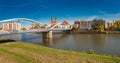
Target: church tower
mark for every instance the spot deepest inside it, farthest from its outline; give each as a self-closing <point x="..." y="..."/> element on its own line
<point x="54" y="22"/>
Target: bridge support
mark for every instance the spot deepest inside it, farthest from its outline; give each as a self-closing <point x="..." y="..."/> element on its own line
<point x="47" y="34"/>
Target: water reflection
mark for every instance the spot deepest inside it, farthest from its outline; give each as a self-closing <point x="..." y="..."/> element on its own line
<point x="47" y="42"/>
<point x="16" y="37"/>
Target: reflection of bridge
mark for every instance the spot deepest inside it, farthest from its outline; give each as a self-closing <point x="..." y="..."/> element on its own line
<point x="47" y="32"/>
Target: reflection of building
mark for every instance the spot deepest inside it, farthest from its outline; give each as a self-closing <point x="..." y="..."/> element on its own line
<point x="65" y="24"/>
<point x="54" y="22"/>
<point x="83" y="24"/>
<point x="16" y="37"/>
<point x="11" y="26"/>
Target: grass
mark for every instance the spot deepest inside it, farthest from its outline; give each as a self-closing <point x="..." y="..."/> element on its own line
<point x="19" y="52"/>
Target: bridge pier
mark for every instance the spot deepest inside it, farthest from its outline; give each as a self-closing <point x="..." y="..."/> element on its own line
<point x="47" y="34"/>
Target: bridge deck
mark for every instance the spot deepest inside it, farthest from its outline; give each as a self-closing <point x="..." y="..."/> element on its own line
<point x="37" y="30"/>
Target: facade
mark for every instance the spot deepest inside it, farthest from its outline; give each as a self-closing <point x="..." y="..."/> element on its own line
<point x="54" y="22"/>
<point x="65" y="24"/>
<point x="98" y="22"/>
<point x="108" y="25"/>
<point x="83" y="24"/>
<point x="11" y="26"/>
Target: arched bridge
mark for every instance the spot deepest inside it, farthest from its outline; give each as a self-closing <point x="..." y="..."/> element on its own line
<point x="13" y="26"/>
<point x="18" y="20"/>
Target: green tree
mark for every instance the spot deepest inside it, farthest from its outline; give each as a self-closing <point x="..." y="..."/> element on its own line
<point x="23" y="29"/>
<point x="101" y="28"/>
<point x="0" y="28"/>
<point x="117" y="24"/>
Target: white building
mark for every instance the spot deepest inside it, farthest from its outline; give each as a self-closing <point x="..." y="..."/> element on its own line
<point x="108" y="24"/>
<point x="83" y="24"/>
<point x="65" y="24"/>
<point x="11" y="26"/>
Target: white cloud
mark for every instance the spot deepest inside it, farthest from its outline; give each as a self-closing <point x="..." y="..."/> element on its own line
<point x="106" y="16"/>
<point x="111" y="17"/>
<point x="92" y="17"/>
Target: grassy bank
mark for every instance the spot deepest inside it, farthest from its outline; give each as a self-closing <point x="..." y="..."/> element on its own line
<point x="18" y="52"/>
<point x="4" y="40"/>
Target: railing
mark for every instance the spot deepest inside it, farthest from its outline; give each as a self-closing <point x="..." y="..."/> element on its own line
<point x="38" y="30"/>
<point x="34" y="30"/>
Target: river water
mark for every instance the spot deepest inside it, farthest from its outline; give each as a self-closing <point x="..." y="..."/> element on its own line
<point x="100" y="43"/>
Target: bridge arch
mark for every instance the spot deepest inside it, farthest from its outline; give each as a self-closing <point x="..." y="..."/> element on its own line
<point x="19" y="20"/>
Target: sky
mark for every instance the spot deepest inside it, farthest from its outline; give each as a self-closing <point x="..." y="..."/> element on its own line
<point x="70" y="10"/>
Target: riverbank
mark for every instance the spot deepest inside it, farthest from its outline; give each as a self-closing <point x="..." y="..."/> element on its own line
<point x="19" y="52"/>
<point x="93" y="32"/>
<point x="4" y="40"/>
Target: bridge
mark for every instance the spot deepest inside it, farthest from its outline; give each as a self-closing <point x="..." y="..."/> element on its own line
<point x="14" y="26"/>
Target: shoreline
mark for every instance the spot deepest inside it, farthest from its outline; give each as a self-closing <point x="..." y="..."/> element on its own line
<point x="31" y="52"/>
<point x="87" y="33"/>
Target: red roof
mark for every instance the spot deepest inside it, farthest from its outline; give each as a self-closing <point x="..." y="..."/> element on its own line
<point x="65" y="23"/>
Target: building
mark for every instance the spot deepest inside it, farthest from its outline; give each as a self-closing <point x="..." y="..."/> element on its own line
<point x="96" y="23"/>
<point x="54" y="22"/>
<point x="11" y="26"/>
<point x="108" y="25"/>
<point x="65" y="24"/>
<point x="83" y="24"/>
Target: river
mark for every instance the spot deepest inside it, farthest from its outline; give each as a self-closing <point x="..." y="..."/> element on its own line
<point x="100" y="43"/>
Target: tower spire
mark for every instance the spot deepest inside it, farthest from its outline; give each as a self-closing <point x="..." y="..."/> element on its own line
<point x="56" y="19"/>
<point x="113" y="21"/>
<point x="52" y="19"/>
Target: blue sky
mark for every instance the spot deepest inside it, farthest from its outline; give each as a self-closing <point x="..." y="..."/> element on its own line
<point x="69" y="10"/>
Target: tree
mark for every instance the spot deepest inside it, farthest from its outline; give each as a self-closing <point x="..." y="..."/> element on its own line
<point x="101" y="28"/>
<point x="0" y="28"/>
<point x="43" y="27"/>
<point x="96" y="23"/>
<point x="23" y="29"/>
<point x="37" y="26"/>
<point x="75" y="26"/>
<point x="117" y="24"/>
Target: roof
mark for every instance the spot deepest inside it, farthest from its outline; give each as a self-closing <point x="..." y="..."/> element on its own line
<point x="65" y="23"/>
